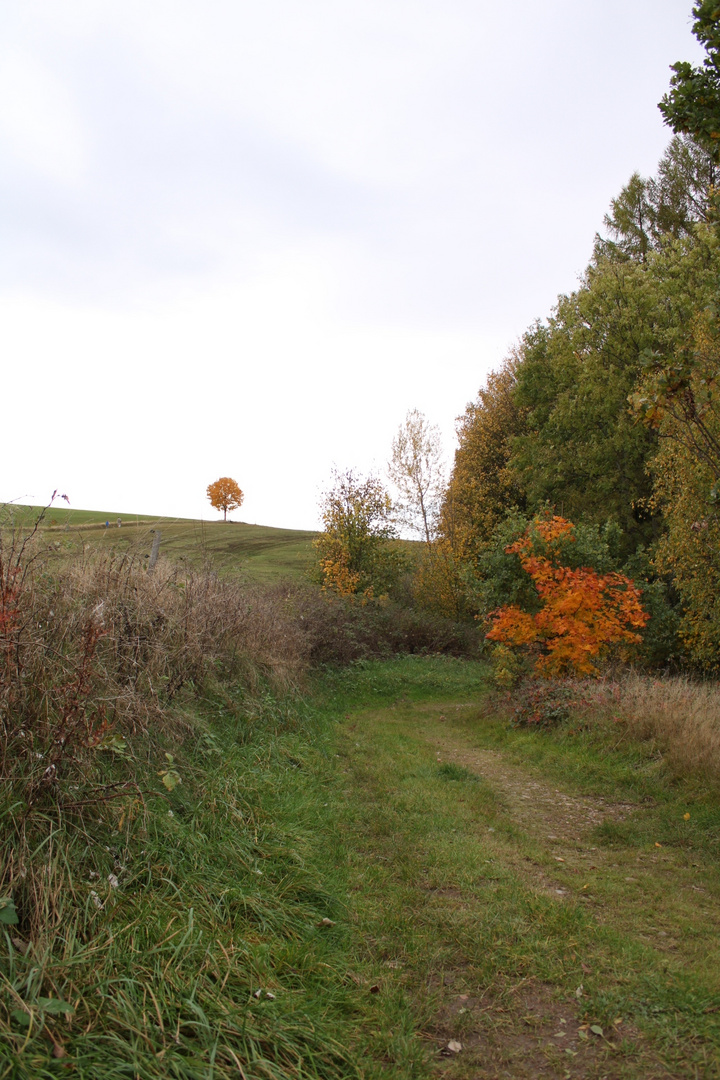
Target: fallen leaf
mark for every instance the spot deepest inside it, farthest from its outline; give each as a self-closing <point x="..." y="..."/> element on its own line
<point x="55" y="1006"/>
<point x="596" y="1029"/>
<point x="8" y="914"/>
<point x="579" y="991"/>
<point x="586" y="969"/>
<point x="657" y="845"/>
<point x="686" y="817"/>
<point x="454" y="1046"/>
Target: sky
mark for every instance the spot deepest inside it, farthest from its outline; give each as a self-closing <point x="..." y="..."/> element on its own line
<point x="244" y="239"/>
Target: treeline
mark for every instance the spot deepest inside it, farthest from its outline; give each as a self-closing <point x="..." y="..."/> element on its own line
<point x="588" y="467"/>
<point x="606" y="413"/>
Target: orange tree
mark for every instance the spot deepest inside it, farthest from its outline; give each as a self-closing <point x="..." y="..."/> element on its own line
<point x="581" y="614"/>
<point x="225" y="495"/>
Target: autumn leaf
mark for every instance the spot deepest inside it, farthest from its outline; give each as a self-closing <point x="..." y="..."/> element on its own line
<point x="583" y="613"/>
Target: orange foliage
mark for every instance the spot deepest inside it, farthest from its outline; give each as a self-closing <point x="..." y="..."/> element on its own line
<point x="583" y="612"/>
<point x="335" y="569"/>
<point x="224" y="494"/>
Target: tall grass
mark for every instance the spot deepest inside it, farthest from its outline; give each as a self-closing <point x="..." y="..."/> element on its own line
<point x="680" y="716"/>
<point x="160" y="896"/>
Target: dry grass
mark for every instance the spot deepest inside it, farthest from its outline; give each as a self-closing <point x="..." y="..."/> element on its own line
<point x="679" y="715"/>
<point x="99" y="661"/>
<point x="99" y="645"/>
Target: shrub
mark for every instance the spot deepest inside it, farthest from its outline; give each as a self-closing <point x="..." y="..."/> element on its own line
<point x="338" y="631"/>
<point x="543" y="704"/>
<point x="581" y="617"/>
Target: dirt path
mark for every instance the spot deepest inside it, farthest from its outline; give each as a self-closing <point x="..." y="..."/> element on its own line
<point x="526" y="992"/>
<point x="537" y="805"/>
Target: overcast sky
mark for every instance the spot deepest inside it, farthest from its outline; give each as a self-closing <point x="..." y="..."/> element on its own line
<point x="244" y="238"/>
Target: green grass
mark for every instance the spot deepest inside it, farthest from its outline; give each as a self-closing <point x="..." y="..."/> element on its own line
<point x="365" y="856"/>
<point x="467" y="901"/>
<point x="259" y="552"/>
<point x="223" y="886"/>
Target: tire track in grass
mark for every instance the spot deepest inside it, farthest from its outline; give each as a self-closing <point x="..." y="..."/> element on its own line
<point x="468" y="874"/>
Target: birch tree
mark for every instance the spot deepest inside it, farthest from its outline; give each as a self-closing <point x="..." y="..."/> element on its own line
<point x="416" y="470"/>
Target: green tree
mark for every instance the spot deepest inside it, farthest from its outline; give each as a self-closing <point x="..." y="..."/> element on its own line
<point x="355" y="556"/>
<point x="582" y="452"/>
<point x="692" y="105"/>
<point x="651" y="212"/>
<point x="679" y="397"/>
<point x="482" y="486"/>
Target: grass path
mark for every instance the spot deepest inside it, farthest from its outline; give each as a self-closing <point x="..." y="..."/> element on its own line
<point x="378" y="881"/>
<point x="502" y="902"/>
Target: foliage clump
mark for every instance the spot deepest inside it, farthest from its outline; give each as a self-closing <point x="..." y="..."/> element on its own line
<point x="356" y="558"/>
<point x="225" y="494"/>
<point x="580" y="616"/>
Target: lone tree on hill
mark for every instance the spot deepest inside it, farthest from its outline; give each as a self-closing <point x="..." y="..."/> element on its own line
<point x="225" y="495"/>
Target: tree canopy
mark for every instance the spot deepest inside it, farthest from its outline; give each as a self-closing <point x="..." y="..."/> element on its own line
<point x="608" y="413"/>
<point x="224" y="494"/>
<point x="415" y="468"/>
<point x="692" y="104"/>
<point x="354" y="554"/>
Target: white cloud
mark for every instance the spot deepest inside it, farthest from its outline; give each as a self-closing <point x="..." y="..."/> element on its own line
<point x="39" y="126"/>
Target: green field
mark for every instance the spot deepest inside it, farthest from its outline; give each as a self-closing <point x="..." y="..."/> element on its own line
<point x="258" y="552"/>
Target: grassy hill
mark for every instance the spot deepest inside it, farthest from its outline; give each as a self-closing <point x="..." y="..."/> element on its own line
<point x="258" y="552"/>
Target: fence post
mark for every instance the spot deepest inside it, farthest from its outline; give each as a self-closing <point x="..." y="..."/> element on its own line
<point x="155" y="550"/>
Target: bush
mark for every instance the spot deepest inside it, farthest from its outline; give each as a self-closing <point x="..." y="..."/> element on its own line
<point x="340" y="631"/>
<point x="543" y="704"/>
